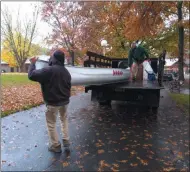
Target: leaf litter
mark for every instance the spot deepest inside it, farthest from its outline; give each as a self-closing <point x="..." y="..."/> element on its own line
<point x="20" y="97"/>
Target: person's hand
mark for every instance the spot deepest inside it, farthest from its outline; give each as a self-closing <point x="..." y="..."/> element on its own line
<point x="33" y="60"/>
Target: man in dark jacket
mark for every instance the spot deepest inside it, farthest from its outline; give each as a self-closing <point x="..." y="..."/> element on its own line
<point x="137" y="55"/>
<point x="55" y="83"/>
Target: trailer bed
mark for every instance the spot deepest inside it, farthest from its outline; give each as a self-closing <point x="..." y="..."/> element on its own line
<point x="140" y="92"/>
<point x="137" y="85"/>
<point x="147" y="85"/>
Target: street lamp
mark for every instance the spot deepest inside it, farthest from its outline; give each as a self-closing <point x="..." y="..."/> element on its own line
<point x="104" y="44"/>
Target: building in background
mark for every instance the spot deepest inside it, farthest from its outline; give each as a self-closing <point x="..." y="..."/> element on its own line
<point x="5" y="67"/>
<point x="172" y="66"/>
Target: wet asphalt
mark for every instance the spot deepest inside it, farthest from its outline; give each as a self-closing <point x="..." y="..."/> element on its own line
<point x="103" y="138"/>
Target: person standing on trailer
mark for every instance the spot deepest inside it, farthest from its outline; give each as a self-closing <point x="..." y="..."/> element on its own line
<point x="137" y="55"/>
<point x="55" y="83"/>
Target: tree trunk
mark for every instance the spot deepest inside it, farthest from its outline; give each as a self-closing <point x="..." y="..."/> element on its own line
<point x="72" y="59"/>
<point x="181" y="41"/>
<point x="22" y="68"/>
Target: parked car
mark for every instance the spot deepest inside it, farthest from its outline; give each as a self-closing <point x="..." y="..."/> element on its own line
<point x="168" y="77"/>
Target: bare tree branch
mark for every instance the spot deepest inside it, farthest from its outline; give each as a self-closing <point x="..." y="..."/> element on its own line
<point x="19" y="38"/>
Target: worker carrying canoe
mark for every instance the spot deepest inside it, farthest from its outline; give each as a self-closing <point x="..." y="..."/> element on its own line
<point x="137" y="55"/>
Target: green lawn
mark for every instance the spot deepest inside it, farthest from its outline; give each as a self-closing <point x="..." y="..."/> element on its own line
<point x="182" y="100"/>
<point x="14" y="79"/>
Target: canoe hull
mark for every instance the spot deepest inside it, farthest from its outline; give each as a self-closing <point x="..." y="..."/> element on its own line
<point x="97" y="76"/>
<point x="92" y="76"/>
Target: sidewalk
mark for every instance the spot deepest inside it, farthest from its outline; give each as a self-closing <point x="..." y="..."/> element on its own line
<point x="102" y="138"/>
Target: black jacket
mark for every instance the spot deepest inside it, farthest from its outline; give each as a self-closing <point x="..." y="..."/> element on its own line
<point x="55" y="82"/>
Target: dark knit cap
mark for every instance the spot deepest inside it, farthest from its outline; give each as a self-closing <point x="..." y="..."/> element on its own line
<point x="59" y="55"/>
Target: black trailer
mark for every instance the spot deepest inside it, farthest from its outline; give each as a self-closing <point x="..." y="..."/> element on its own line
<point x="145" y="93"/>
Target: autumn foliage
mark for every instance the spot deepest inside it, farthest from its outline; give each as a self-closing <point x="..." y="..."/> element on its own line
<point x="82" y="25"/>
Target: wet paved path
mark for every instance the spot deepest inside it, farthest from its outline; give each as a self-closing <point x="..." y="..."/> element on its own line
<point x="103" y="139"/>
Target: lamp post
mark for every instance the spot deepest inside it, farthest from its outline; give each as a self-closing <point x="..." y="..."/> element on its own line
<point x="104" y="44"/>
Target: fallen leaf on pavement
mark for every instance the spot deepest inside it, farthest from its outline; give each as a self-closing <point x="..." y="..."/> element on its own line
<point x="123" y="138"/>
<point x="101" y="151"/>
<point x="133" y="152"/>
<point x="133" y="164"/>
<point x="113" y="169"/>
<point x="144" y="162"/>
<point x="86" y="153"/>
<point x="169" y="169"/>
<point x="65" y="164"/>
<point x="116" y="165"/>
<point x="98" y="145"/>
<point x="123" y="161"/>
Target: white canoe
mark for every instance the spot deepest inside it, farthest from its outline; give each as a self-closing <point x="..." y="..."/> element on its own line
<point x="93" y="76"/>
<point x="97" y="76"/>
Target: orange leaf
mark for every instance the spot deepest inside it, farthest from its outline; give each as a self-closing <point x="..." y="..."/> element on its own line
<point x="123" y="161"/>
<point x="116" y="165"/>
<point x="65" y="164"/>
<point x="144" y="162"/>
<point x="133" y="164"/>
<point x="113" y="169"/>
<point x="101" y="151"/>
<point x="169" y="169"/>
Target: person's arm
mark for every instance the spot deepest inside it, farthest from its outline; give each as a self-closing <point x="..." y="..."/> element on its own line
<point x="146" y="53"/>
<point x="41" y="75"/>
<point x="130" y="58"/>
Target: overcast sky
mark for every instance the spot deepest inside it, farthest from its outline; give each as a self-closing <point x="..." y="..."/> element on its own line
<point x="26" y="9"/>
